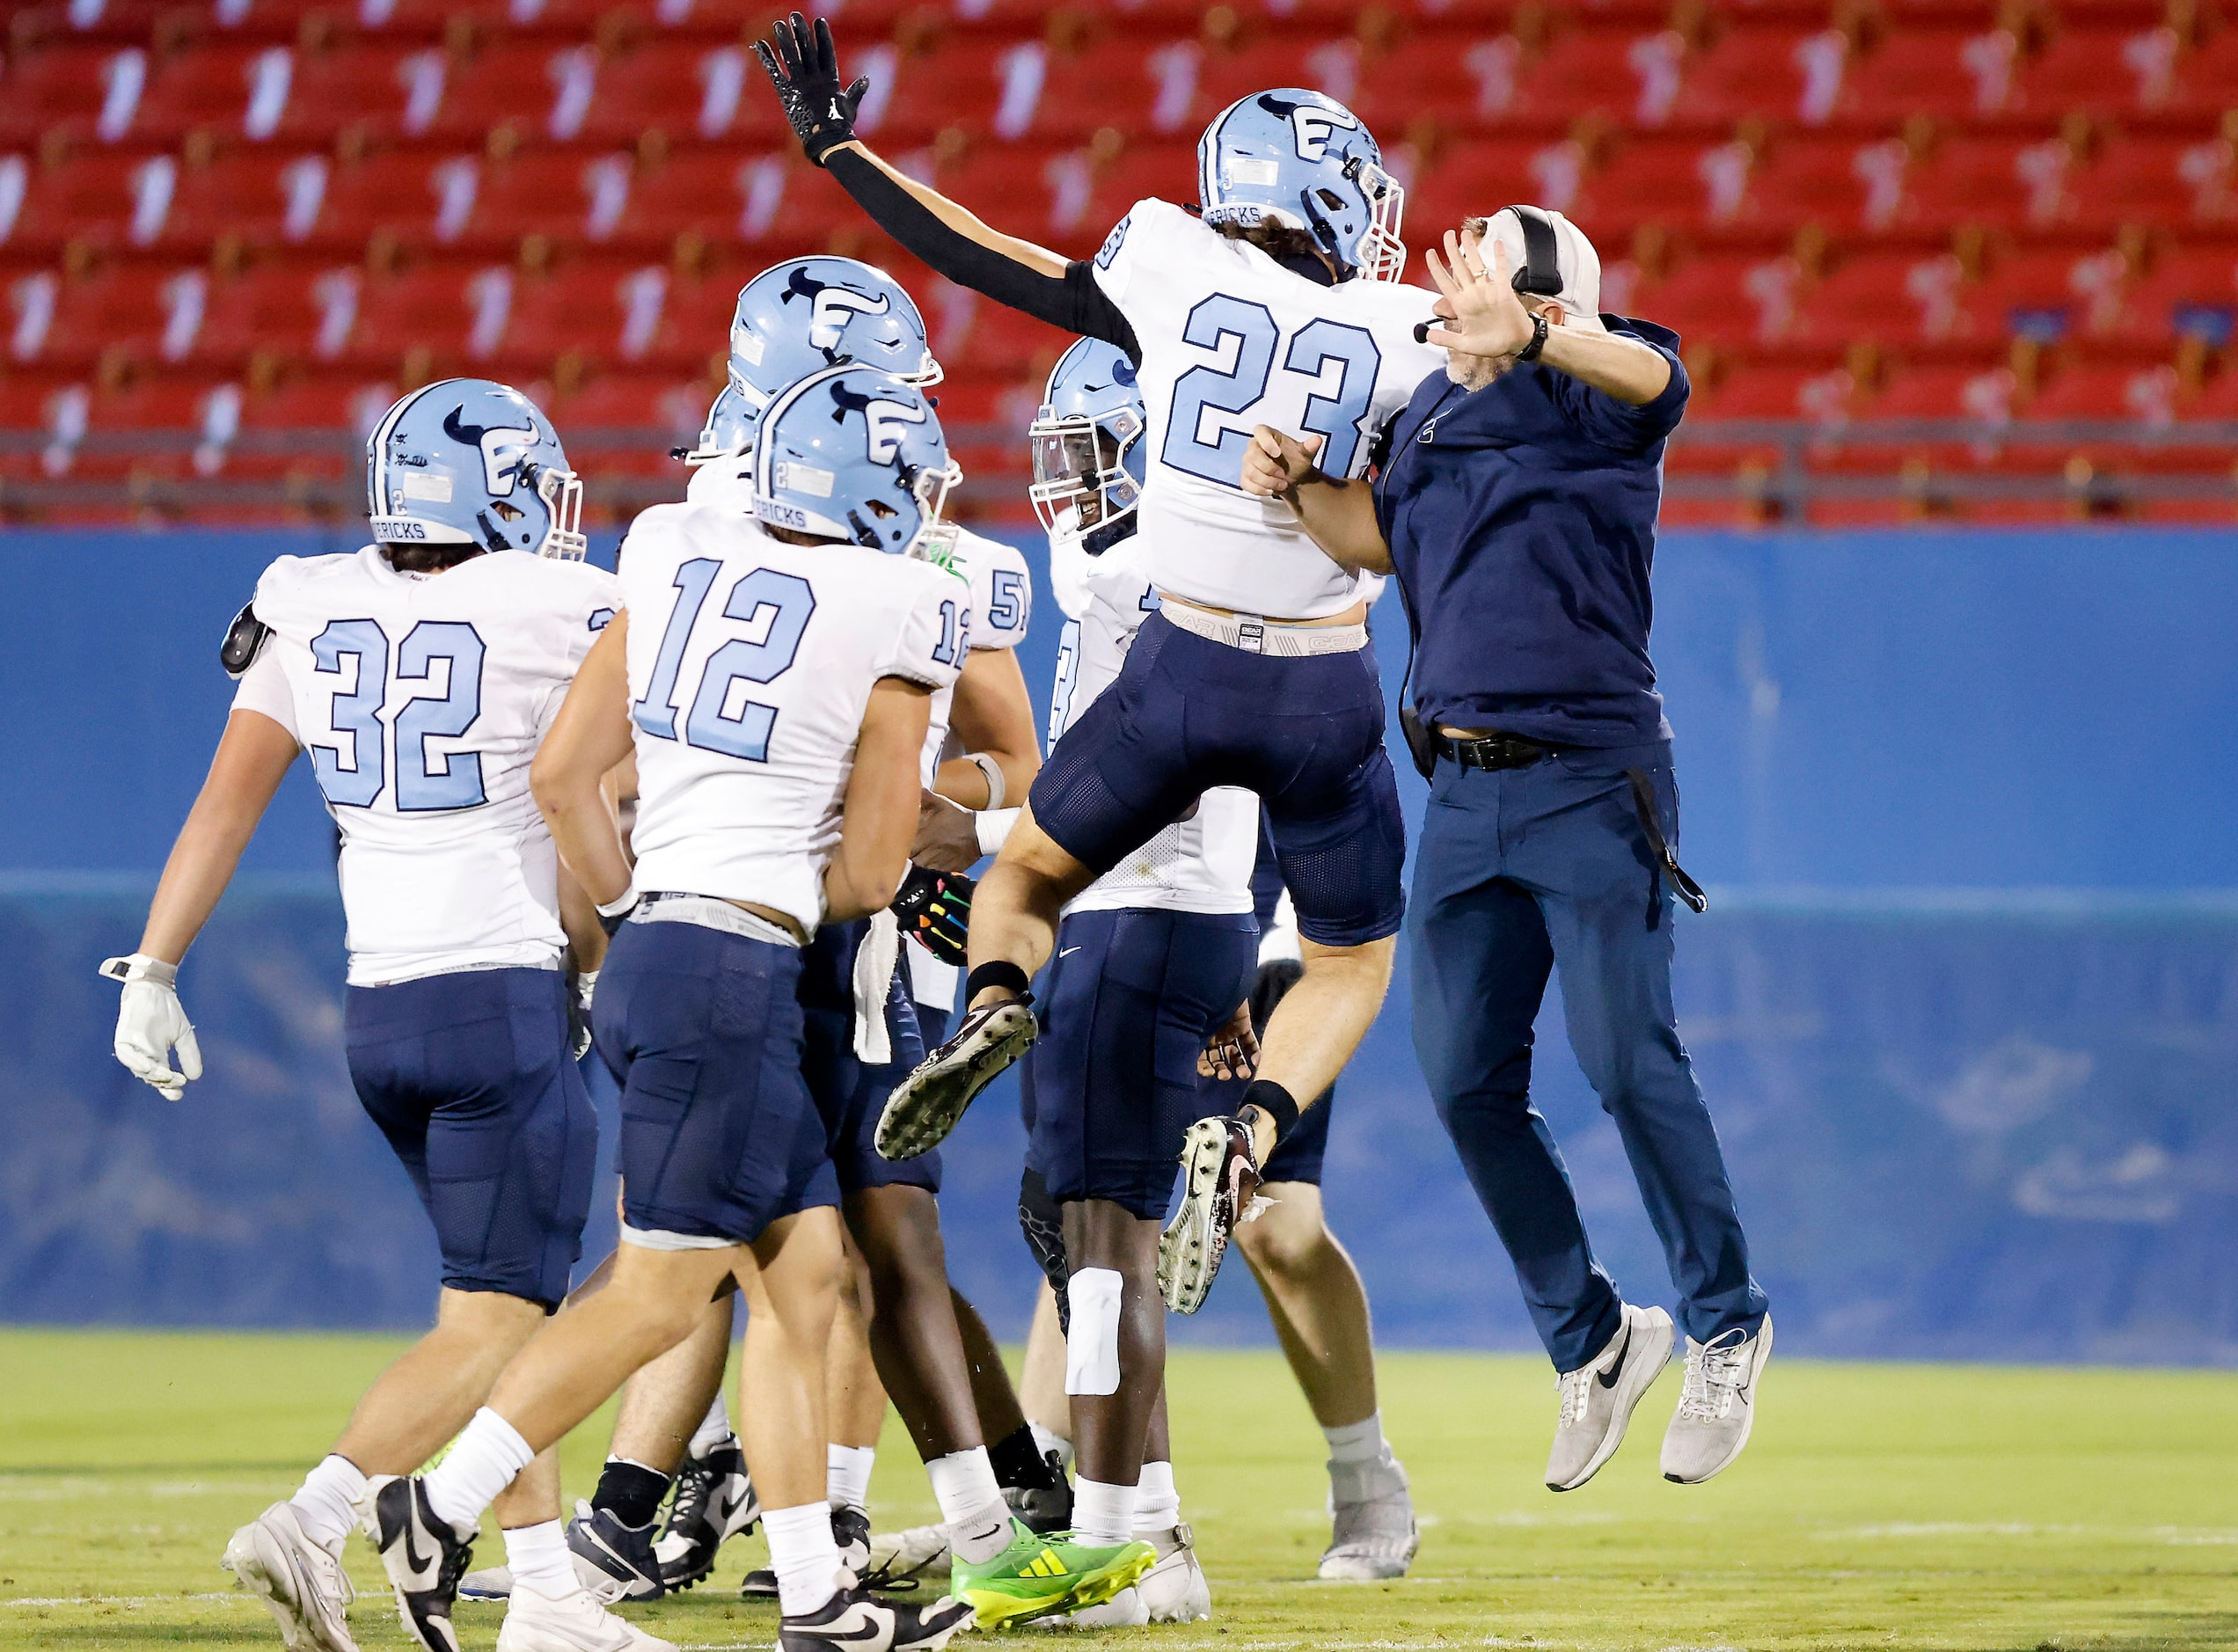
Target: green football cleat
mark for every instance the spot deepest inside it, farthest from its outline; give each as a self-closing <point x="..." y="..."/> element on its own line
<point x="1038" y="1575"/>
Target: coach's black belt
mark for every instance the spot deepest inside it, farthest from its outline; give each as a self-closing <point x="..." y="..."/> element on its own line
<point x="1492" y="751"/>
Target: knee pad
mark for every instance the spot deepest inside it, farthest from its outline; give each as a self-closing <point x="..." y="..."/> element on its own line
<point x="1092" y="1342"/>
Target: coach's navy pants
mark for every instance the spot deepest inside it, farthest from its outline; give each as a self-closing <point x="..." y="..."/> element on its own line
<point x="1522" y="869"/>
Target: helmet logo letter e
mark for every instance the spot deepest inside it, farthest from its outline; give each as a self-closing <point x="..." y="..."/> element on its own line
<point x="1313" y="128"/>
<point x="502" y="447"/>
<point x="835" y="308"/>
<point x="882" y="422"/>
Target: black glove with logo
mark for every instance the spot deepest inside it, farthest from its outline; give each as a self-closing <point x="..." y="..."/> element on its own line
<point x="804" y="71"/>
<point x="936" y="908"/>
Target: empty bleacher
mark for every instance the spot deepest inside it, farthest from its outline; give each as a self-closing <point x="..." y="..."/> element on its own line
<point x="1931" y="258"/>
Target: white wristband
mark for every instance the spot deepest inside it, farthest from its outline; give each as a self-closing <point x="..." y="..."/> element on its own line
<point x="996" y="787"/>
<point x="140" y="966"/>
<point x="993" y="826"/>
<point x="619" y="906"/>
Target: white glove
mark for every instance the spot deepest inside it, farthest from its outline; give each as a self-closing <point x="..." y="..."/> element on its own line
<point x="586" y="986"/>
<point x="150" y="1023"/>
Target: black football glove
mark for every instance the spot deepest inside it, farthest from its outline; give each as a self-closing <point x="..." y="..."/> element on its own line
<point x="936" y="908"/>
<point x="804" y="71"/>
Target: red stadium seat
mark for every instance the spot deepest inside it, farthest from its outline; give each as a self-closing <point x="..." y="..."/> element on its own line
<point x="2048" y="295"/>
<point x="2157" y="180"/>
<point x="2000" y="183"/>
<point x="1463" y="80"/>
<point x="2188" y="294"/>
<point x="1837" y="182"/>
<point x="1727" y="300"/>
<point x="1793" y="74"/>
<point x="1890" y="297"/>
<point x="90" y="198"/>
<point x="90" y="93"/>
<point x="1953" y="73"/>
<point x="1679" y="182"/>
<point x="692" y="92"/>
<point x="1618" y="74"/>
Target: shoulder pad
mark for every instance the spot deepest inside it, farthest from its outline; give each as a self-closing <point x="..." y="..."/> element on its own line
<point x="244" y="641"/>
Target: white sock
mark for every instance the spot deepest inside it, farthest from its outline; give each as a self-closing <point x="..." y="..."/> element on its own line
<point x="848" y="1473"/>
<point x="1048" y="1440"/>
<point x="488" y="1454"/>
<point x="1157" y="1507"/>
<point x="1103" y="1515"/>
<point x="804" y="1556"/>
<point x="327" y="1504"/>
<point x="971" y="1504"/>
<point x="537" y="1558"/>
<point x="714" y="1429"/>
<point x="1357" y="1442"/>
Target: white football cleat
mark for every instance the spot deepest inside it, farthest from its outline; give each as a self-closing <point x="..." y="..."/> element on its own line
<point x="303" y="1585"/>
<point x="1174" y="1590"/>
<point x="1717" y="1405"/>
<point x="925" y="1106"/>
<point x="573" y="1623"/>
<point x="1373" y="1534"/>
<point x="1598" y="1399"/>
<point x="1125" y="1610"/>
<point x="896" y="1557"/>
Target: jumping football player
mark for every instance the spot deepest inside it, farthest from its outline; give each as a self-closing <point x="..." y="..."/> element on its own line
<point x="420" y="673"/>
<point x="1277" y="305"/>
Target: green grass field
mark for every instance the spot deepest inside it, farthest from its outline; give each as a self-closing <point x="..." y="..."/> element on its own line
<point x="1879" y="1506"/>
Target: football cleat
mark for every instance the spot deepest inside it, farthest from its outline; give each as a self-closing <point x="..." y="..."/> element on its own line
<point x="496" y="1582"/>
<point x="1125" y="1610"/>
<point x="1043" y="1508"/>
<point x="578" y="1622"/>
<point x="899" y="1560"/>
<point x="858" y="1620"/>
<point x="303" y="1584"/>
<point x="1373" y="1531"/>
<point x="1717" y="1404"/>
<point x="1174" y="1590"/>
<point x="925" y="1106"/>
<point x="714" y="1501"/>
<point x="1598" y="1399"/>
<point x="423" y="1555"/>
<point x="621" y="1557"/>
<point x="1036" y="1576"/>
<point x="1219" y="1189"/>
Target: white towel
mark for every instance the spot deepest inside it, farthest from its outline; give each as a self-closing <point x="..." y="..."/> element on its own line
<point x="875" y="961"/>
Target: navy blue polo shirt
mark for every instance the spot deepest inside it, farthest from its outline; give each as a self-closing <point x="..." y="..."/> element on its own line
<point x="1521" y="519"/>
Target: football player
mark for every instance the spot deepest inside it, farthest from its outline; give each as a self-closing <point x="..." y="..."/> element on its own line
<point x="1277" y="304"/>
<point x="1152" y="961"/>
<point x="420" y="673"/>
<point x="794" y="667"/>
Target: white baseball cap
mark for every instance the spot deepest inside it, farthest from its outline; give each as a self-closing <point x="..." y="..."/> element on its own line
<point x="1576" y="265"/>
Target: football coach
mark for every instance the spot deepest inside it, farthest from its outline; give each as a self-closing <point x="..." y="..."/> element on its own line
<point x="1516" y="504"/>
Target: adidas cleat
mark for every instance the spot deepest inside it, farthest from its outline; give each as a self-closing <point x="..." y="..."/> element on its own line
<point x="714" y="1501"/>
<point x="859" y="1622"/>
<point x="1037" y="1575"/>
<point x="1219" y="1186"/>
<point x="423" y="1554"/>
<point x="925" y="1106"/>
<point x="303" y="1585"/>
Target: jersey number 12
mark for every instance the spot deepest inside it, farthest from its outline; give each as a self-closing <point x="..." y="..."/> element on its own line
<point x="711" y="724"/>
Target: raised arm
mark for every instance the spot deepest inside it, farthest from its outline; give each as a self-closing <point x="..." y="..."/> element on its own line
<point x="803" y="65"/>
<point x="1483" y="314"/>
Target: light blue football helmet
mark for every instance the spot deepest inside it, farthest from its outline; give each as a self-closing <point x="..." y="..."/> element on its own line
<point x="808" y="314"/>
<point x="856" y="454"/>
<point x="1301" y="158"/>
<point x="722" y="465"/>
<point x="468" y="461"/>
<point x="1087" y="441"/>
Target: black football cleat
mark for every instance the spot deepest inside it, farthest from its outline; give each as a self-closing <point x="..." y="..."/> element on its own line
<point x="621" y="1555"/>
<point x="421" y="1553"/>
<point x="858" y="1620"/>
<point x="714" y="1503"/>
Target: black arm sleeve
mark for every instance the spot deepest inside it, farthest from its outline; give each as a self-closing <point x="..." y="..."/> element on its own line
<point x="1071" y="301"/>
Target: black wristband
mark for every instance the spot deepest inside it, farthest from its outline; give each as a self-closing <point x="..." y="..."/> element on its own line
<point x="1275" y="1102"/>
<point x="1001" y="973"/>
<point x="1530" y="351"/>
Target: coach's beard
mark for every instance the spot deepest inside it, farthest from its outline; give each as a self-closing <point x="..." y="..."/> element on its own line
<point x="1474" y="372"/>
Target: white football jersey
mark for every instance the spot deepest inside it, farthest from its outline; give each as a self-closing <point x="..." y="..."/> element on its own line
<point x="750" y="665"/>
<point x="1230" y="339"/>
<point x="421" y="698"/>
<point x="1199" y="865"/>
<point x="1002" y="603"/>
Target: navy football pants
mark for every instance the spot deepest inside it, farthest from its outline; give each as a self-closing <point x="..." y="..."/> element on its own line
<point x="1521" y="870"/>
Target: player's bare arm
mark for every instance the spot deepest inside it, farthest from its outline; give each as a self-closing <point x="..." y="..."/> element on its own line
<point x="252" y="757"/>
<point x="588" y="737"/>
<point x="992" y="718"/>
<point x="1485" y="317"/>
<point x="879" y="819"/>
<point x="1339" y="515"/>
